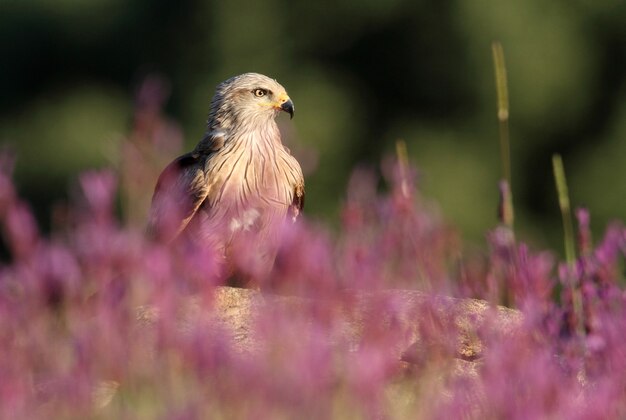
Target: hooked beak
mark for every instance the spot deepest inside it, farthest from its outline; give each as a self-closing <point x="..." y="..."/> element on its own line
<point x="287" y="106"/>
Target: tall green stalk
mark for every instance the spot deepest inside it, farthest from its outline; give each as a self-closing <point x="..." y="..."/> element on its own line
<point x="506" y="206"/>
<point x="569" y="240"/>
<point x="566" y="212"/>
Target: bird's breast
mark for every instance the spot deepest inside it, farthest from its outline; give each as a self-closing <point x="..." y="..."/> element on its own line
<point x="251" y="187"/>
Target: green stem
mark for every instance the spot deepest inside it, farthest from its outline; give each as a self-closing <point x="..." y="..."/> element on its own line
<point x="507" y="214"/>
<point x="566" y="213"/>
<point x="403" y="161"/>
<point x="568" y="234"/>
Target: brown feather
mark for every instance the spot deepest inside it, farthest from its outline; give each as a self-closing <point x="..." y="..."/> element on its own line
<point x="178" y="194"/>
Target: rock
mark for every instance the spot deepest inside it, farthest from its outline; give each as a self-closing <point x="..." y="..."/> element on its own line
<point x="235" y="308"/>
<point x="441" y="337"/>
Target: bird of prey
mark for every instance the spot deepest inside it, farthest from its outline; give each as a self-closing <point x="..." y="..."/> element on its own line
<point x="240" y="180"/>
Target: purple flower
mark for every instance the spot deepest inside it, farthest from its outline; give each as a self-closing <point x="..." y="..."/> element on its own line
<point x="99" y="189"/>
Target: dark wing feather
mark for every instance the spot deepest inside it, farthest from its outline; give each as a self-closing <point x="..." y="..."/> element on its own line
<point x="179" y="192"/>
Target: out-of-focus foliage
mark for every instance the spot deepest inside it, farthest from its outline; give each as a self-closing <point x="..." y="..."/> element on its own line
<point x="361" y="74"/>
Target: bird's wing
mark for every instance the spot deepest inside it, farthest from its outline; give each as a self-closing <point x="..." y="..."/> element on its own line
<point x="179" y="192"/>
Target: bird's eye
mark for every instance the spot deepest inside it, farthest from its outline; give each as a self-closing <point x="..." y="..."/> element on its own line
<point x="259" y="92"/>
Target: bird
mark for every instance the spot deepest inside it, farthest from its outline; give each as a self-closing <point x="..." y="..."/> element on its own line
<point x="240" y="181"/>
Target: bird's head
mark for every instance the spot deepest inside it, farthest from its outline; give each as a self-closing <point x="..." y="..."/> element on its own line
<point x="248" y="97"/>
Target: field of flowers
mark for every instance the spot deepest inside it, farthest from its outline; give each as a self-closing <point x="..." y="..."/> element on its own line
<point x="74" y="342"/>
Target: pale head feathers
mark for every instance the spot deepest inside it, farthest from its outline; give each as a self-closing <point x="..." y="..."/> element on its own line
<point x="248" y="100"/>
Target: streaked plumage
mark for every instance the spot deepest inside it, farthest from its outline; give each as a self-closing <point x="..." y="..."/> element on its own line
<point x="240" y="177"/>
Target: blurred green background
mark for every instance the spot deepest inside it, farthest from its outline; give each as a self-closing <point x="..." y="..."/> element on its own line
<point x="362" y="73"/>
